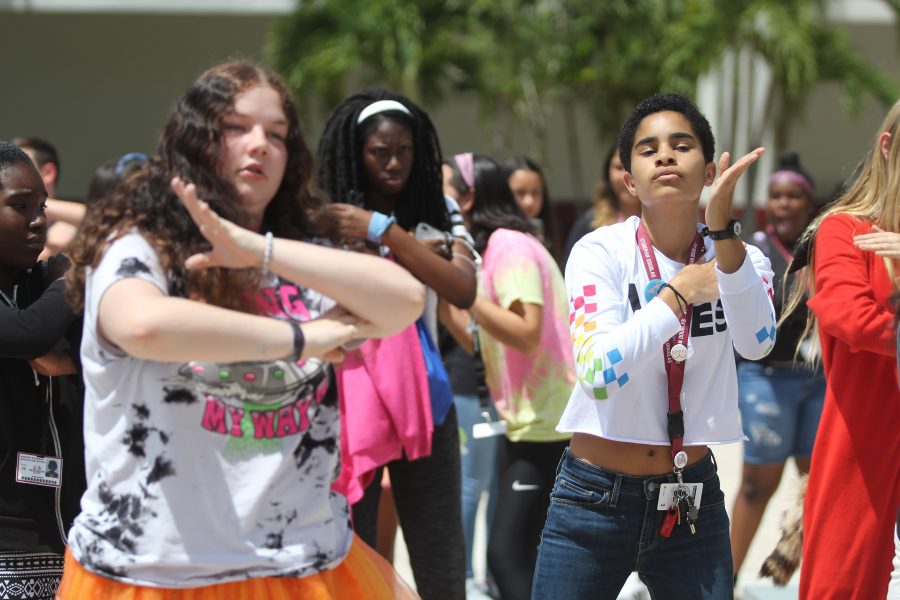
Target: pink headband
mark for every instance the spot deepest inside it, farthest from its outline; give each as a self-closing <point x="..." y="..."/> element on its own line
<point x="794" y="177"/>
<point x="466" y="168"/>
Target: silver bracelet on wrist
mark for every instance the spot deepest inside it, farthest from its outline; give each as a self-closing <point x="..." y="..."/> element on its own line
<point x="267" y="254"/>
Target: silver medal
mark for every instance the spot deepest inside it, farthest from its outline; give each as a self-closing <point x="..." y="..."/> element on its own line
<point x="678" y="353"/>
<point x="681" y="459"/>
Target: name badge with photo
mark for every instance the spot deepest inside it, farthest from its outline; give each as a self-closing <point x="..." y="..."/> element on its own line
<point x="35" y="469"/>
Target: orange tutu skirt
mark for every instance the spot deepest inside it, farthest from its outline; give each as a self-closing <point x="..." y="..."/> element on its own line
<point x="362" y="575"/>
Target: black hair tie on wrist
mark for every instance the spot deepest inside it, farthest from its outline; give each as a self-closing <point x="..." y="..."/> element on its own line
<point x="299" y="340"/>
<point x="682" y="302"/>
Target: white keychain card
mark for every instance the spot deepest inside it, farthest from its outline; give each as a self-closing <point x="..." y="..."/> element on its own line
<point x="667" y="492"/>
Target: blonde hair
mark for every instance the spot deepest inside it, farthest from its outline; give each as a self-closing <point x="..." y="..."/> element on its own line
<point x="604" y="211"/>
<point x="873" y="196"/>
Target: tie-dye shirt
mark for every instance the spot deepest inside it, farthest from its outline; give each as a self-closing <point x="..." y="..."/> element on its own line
<point x="529" y="391"/>
<point x="201" y="473"/>
<point x="619" y="329"/>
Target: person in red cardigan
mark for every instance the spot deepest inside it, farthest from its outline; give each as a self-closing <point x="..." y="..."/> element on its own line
<point x="854" y="480"/>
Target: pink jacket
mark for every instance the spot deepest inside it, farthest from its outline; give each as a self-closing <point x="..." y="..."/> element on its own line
<point x="385" y="408"/>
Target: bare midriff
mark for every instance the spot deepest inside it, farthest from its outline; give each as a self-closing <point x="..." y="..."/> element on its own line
<point x="629" y="458"/>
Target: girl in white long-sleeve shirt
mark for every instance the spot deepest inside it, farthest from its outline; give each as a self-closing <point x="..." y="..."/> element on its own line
<point x="657" y="307"/>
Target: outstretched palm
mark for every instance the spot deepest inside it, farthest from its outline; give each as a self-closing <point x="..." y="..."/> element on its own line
<point x="232" y="246"/>
<point x="718" y="210"/>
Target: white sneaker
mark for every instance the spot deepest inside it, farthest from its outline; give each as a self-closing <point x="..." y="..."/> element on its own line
<point x="475" y="590"/>
<point x="634" y="589"/>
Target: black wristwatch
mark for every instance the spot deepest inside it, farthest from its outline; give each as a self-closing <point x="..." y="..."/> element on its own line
<point x="732" y="230"/>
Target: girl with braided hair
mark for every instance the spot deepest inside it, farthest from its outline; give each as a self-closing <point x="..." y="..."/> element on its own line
<point x="380" y="162"/>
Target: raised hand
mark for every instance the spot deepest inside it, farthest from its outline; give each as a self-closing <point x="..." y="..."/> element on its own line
<point x="233" y="246"/>
<point x="718" y="210"/>
<point x="352" y="221"/>
<point x="697" y="282"/>
<point x="56" y="268"/>
<point x="882" y="243"/>
<point x="439" y="247"/>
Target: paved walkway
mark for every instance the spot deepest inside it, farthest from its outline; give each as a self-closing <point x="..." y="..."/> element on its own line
<point x="750" y="587"/>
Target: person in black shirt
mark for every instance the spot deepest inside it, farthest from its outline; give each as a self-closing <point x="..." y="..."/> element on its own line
<point x="41" y="462"/>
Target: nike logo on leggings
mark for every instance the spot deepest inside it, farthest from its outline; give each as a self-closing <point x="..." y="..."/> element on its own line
<point x="522" y="487"/>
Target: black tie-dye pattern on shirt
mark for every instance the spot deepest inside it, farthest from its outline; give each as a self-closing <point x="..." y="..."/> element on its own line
<point x="137" y="435"/>
<point x="234" y="414"/>
<point x="141" y="411"/>
<point x="121" y="523"/>
<point x="178" y="395"/>
<point x="162" y="467"/>
<point x="132" y="266"/>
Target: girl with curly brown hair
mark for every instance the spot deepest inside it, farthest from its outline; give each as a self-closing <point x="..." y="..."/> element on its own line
<point x="211" y="410"/>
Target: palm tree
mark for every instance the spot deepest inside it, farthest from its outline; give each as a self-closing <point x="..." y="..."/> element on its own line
<point x="757" y="77"/>
<point x="526" y="59"/>
<point x="412" y="46"/>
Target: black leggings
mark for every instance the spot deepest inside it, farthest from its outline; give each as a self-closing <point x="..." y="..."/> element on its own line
<point x="427" y="493"/>
<point x="525" y="475"/>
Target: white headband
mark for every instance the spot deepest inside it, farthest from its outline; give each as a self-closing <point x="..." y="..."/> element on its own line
<point x="379" y="107"/>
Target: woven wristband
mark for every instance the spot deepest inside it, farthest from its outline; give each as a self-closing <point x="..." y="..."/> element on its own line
<point x="378" y="224"/>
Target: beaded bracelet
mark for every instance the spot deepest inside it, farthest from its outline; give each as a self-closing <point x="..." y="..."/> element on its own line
<point x="267" y="253"/>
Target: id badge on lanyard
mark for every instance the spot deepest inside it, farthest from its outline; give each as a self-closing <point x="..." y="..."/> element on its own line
<point x="679" y="500"/>
<point x="34" y="469"/>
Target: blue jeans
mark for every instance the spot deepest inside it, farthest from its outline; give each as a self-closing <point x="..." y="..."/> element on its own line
<point x="603" y="525"/>
<point x="479" y="467"/>
<point x="780" y="410"/>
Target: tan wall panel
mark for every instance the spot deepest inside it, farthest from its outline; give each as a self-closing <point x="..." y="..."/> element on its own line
<point x="100" y="85"/>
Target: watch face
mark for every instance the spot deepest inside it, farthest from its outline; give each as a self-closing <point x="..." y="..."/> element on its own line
<point x="737" y="228"/>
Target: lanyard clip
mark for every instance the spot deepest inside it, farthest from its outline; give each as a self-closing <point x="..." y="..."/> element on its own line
<point x="679" y="461"/>
<point x="675" y="424"/>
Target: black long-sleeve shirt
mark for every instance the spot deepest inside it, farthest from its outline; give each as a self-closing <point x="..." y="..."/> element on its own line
<point x="29" y="518"/>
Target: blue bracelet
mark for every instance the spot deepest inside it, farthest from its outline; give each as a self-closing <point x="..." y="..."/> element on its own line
<point x="378" y="224"/>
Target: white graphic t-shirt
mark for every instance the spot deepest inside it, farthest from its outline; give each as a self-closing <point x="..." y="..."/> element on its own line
<point x="618" y="331"/>
<point x="201" y="473"/>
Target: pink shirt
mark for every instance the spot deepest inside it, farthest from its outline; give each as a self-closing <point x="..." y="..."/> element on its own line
<point x="529" y="391"/>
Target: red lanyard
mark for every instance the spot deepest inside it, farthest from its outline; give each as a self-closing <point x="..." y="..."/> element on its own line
<point x="785" y="253"/>
<point x="674" y="369"/>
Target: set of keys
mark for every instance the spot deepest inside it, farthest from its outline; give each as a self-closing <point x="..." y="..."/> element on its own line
<point x="679" y="500"/>
<point x="682" y="505"/>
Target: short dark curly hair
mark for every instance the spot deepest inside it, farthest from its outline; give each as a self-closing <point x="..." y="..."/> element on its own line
<point x="11" y="155"/>
<point x="660" y="103"/>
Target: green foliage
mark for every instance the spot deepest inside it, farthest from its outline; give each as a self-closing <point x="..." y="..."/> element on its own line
<point x="412" y="46"/>
<point x="524" y="58"/>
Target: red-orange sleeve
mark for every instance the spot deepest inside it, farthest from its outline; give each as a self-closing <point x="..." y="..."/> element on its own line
<point x="845" y="302"/>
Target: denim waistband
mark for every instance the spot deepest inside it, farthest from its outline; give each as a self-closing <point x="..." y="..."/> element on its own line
<point x="633" y="485"/>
